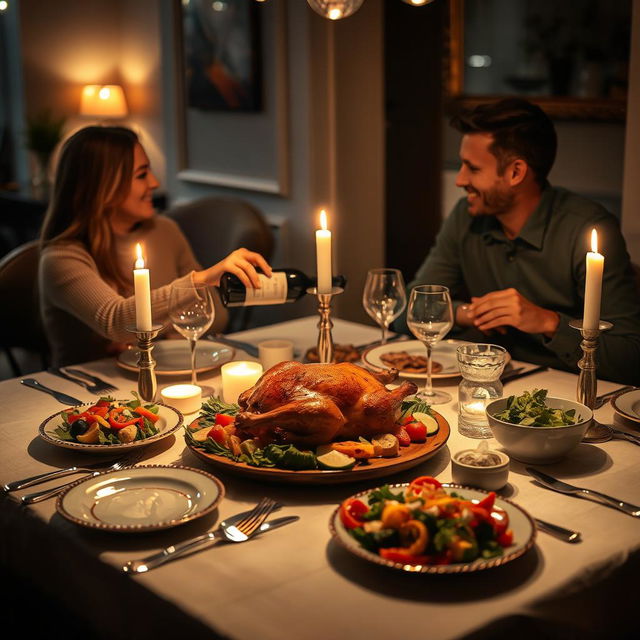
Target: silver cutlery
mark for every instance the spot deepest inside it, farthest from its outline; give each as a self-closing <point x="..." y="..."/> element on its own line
<point x="99" y="385"/>
<point x="605" y="397"/>
<point x="516" y="374"/>
<point x="238" y="528"/>
<point x="562" y="487"/>
<point x="251" y="349"/>
<point x="62" y="374"/>
<point x="599" y="432"/>
<point x="16" y="485"/>
<point x="39" y="496"/>
<point x="566" y="535"/>
<point x="58" y="395"/>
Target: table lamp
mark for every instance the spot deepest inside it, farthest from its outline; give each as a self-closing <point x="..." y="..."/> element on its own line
<point x="105" y="101"/>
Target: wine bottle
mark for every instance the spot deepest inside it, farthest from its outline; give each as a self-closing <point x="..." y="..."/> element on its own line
<point x="285" y="285"/>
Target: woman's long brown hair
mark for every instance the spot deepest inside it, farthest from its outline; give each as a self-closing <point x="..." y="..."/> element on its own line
<point x="93" y="178"/>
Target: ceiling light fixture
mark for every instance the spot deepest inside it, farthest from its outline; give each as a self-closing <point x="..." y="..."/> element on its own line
<point x="335" y="9"/>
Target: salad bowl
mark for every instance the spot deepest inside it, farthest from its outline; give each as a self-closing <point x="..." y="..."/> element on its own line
<point x="539" y="444"/>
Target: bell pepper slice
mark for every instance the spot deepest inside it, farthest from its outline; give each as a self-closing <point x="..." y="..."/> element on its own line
<point x="398" y="554"/>
<point x="145" y="413"/>
<point x="505" y="539"/>
<point x="351" y="512"/>
<point x="219" y="435"/>
<point x="118" y="421"/>
<point x="224" y="419"/>
<point x="77" y="416"/>
<point x="488" y="502"/>
<point x="500" y="520"/>
<point x="98" y="410"/>
<point x="414" y="535"/>
<point x="94" y="417"/>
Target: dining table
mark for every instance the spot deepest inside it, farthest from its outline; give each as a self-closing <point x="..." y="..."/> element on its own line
<point x="298" y="582"/>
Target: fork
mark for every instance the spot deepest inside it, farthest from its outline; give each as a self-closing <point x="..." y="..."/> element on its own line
<point x="98" y="385"/>
<point x="60" y="473"/>
<point x="39" y="496"/>
<point x="233" y="532"/>
<point x="63" y="374"/>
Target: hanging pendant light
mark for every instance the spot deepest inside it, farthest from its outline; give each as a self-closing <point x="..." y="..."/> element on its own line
<point x="417" y="3"/>
<point x="335" y="9"/>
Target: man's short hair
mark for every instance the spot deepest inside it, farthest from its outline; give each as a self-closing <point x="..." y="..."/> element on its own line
<point x="520" y="130"/>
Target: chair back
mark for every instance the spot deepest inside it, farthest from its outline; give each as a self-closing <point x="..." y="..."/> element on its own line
<point x="217" y="226"/>
<point x="20" y="313"/>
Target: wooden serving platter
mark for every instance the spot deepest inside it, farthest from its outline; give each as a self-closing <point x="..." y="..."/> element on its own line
<point x="408" y="457"/>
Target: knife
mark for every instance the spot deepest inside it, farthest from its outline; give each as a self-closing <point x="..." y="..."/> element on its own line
<point x="566" y="535"/>
<point x="251" y="349"/>
<point x="562" y="487"/>
<point x="59" y="396"/>
<point x="515" y="375"/>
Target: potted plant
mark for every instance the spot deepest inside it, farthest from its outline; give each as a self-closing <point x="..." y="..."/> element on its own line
<point x="44" y="132"/>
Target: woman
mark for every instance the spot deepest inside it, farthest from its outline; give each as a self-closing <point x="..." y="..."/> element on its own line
<point x="100" y="208"/>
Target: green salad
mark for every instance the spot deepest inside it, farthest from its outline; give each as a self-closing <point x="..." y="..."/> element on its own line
<point x="530" y="410"/>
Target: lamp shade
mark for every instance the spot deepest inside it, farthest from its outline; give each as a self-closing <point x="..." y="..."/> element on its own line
<point x="104" y="100"/>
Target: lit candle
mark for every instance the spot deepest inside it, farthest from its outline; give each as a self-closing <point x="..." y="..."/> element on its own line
<point x="593" y="285"/>
<point x="186" y="398"/>
<point x="142" y="290"/>
<point x="323" y="255"/>
<point x="238" y="377"/>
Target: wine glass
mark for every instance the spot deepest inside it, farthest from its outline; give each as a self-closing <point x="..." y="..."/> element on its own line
<point x="430" y="316"/>
<point x="191" y="311"/>
<point x="384" y="297"/>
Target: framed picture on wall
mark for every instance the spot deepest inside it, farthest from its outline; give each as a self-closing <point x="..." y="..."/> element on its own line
<point x="223" y="66"/>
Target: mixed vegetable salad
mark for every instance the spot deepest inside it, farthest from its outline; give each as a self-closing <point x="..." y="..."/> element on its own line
<point x="425" y="524"/>
<point x="215" y="432"/>
<point x="530" y="409"/>
<point x="109" y="422"/>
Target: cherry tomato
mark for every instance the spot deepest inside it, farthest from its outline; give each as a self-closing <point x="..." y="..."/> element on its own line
<point x="505" y="539"/>
<point x="223" y="419"/>
<point x="500" y="520"/>
<point x="351" y="512"/>
<point x="417" y="431"/>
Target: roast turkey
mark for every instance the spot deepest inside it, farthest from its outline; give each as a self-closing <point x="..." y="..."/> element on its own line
<point x="311" y="404"/>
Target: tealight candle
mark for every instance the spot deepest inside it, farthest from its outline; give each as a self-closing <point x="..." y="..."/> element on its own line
<point x="238" y="377"/>
<point x="186" y="398"/>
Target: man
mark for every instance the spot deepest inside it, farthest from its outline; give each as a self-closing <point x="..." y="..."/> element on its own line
<point x="513" y="251"/>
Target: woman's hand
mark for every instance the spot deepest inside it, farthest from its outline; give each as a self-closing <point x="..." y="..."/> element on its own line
<point x="241" y="263"/>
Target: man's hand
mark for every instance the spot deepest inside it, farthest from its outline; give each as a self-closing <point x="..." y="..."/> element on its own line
<point x="498" y="309"/>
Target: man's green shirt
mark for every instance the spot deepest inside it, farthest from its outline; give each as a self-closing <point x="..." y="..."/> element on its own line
<point x="546" y="264"/>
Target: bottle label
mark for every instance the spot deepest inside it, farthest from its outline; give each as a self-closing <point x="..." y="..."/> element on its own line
<point x="273" y="290"/>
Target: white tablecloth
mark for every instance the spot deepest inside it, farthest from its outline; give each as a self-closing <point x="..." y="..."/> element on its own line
<point x="297" y="582"/>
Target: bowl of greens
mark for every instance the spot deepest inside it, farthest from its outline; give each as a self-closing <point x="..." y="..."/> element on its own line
<point x="537" y="429"/>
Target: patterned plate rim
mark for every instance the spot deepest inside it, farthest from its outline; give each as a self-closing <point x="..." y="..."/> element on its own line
<point x="141" y="527"/>
<point x="466" y="567"/>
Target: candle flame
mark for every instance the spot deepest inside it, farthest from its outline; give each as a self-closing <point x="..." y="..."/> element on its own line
<point x="139" y="259"/>
<point x="594" y="241"/>
<point x="323" y="220"/>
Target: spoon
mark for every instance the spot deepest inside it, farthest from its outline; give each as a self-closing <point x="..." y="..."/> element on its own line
<point x="598" y="432"/>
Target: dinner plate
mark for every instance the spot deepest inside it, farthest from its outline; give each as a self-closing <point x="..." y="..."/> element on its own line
<point x="628" y="405"/>
<point x="169" y="422"/>
<point x="520" y="522"/>
<point x="444" y="352"/>
<point x="141" y="498"/>
<point x="173" y="357"/>
<point x="414" y="454"/>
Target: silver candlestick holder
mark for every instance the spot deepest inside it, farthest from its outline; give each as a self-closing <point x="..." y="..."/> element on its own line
<point x="325" y="341"/>
<point x="588" y="380"/>
<point x="147" y="384"/>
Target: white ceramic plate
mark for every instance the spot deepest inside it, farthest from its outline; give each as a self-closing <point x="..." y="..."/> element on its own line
<point x="173" y="357"/>
<point x="628" y="405"/>
<point x="141" y="498"/>
<point x="444" y="352"/>
<point x="169" y="422"/>
<point x="520" y="522"/>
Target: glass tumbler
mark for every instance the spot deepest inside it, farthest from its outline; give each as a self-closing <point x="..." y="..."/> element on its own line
<point x="481" y="366"/>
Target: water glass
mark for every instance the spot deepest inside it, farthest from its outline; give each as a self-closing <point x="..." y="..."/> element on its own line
<point x="481" y="366"/>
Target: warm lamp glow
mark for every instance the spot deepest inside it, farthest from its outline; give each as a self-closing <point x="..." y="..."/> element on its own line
<point x="139" y="258"/>
<point x="335" y="9"/>
<point x="417" y="3"/>
<point x="103" y="100"/>
<point x="594" y="241"/>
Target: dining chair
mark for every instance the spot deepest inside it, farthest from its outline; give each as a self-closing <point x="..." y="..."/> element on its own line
<point x="20" y="313"/>
<point x="216" y="226"/>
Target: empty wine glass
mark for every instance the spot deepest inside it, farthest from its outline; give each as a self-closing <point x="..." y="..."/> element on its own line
<point x="384" y="297"/>
<point x="430" y="317"/>
<point x="191" y="311"/>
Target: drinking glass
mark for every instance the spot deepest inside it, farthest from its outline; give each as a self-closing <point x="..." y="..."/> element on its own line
<point x="430" y="317"/>
<point x="481" y="366"/>
<point x="384" y="297"/>
<point x="191" y="311"/>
